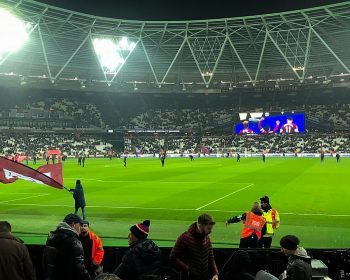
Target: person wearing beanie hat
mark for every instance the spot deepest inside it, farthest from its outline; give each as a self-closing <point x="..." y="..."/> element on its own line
<point x="272" y="222"/>
<point x="143" y="255"/>
<point x="299" y="263"/>
<point x="140" y="231"/>
<point x="93" y="249"/>
<point x="63" y="256"/>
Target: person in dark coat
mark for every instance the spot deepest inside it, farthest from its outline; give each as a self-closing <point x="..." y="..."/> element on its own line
<point x="299" y="263"/>
<point x="15" y="262"/>
<point x="79" y="198"/>
<point x="63" y="256"/>
<point x="238" y="267"/>
<point x="143" y="256"/>
<point x="193" y="254"/>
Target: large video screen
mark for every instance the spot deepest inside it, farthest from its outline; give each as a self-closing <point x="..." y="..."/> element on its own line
<point x="278" y="124"/>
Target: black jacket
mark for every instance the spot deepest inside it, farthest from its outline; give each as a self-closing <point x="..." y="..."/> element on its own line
<point x="78" y="196"/>
<point x="299" y="266"/>
<point x="64" y="255"/>
<point x="143" y="257"/>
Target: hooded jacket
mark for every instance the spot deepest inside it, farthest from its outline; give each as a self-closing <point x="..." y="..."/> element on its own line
<point x="299" y="266"/>
<point x="63" y="256"/>
<point x="78" y="196"/>
<point x="142" y="257"/>
<point x="15" y="262"/>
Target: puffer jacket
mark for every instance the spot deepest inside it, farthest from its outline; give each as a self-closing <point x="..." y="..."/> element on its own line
<point x="143" y="257"/>
<point x="64" y="255"/>
<point x="299" y="266"/>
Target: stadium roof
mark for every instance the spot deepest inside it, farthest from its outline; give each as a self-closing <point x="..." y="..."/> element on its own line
<point x="296" y="47"/>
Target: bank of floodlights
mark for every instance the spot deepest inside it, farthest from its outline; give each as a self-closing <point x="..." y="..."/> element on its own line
<point x="13" y="33"/>
<point x="112" y="54"/>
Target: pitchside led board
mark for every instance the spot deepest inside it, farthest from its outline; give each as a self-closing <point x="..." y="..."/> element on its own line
<point x="259" y="123"/>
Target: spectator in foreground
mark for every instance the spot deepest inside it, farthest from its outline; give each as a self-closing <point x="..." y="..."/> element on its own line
<point x="143" y="256"/>
<point x="239" y="267"/>
<point x="63" y="256"/>
<point x="299" y="263"/>
<point x="15" y="262"/>
<point x="93" y="250"/>
<point x="193" y="253"/>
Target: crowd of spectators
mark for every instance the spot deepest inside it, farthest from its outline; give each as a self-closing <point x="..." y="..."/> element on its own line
<point x="38" y="144"/>
<point x="297" y="143"/>
<point x="74" y="252"/>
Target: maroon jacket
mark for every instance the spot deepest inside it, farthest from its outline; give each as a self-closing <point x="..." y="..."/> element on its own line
<point x="193" y="255"/>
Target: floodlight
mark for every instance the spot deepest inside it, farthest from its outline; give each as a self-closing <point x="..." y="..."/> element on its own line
<point x="13" y="33"/>
<point x="112" y="55"/>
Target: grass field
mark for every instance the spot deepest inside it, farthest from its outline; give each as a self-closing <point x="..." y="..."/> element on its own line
<point x="312" y="198"/>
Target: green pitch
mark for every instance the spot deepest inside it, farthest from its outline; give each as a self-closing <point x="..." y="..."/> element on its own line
<point x="312" y="198"/>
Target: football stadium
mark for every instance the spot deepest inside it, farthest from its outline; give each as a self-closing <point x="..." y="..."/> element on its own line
<point x="235" y="126"/>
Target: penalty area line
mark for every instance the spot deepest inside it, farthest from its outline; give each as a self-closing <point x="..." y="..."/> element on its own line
<point x="220" y="198"/>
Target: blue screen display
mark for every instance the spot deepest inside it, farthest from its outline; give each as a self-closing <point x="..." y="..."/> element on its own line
<point x="280" y="124"/>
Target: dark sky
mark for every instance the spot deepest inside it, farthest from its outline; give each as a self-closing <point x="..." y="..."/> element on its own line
<point x="181" y="9"/>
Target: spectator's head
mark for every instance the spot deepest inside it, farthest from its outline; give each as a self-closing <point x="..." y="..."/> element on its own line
<point x="74" y="222"/>
<point x="5" y="226"/>
<point x="289" y="244"/>
<point x="85" y="227"/>
<point x="265" y="202"/>
<point x="205" y="224"/>
<point x="139" y="232"/>
<point x="240" y="261"/>
<point x="256" y="208"/>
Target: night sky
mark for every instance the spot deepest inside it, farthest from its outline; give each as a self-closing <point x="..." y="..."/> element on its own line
<point x="181" y="9"/>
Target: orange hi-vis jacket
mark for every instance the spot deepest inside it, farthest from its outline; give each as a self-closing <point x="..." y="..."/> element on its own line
<point x="253" y="224"/>
<point x="97" y="248"/>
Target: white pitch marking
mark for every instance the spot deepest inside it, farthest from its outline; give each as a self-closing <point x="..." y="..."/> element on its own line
<point x="216" y="200"/>
<point x="33" y="196"/>
<point x="171" y="209"/>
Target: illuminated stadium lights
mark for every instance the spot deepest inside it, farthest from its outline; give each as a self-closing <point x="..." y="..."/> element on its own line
<point x="112" y="55"/>
<point x="13" y="33"/>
